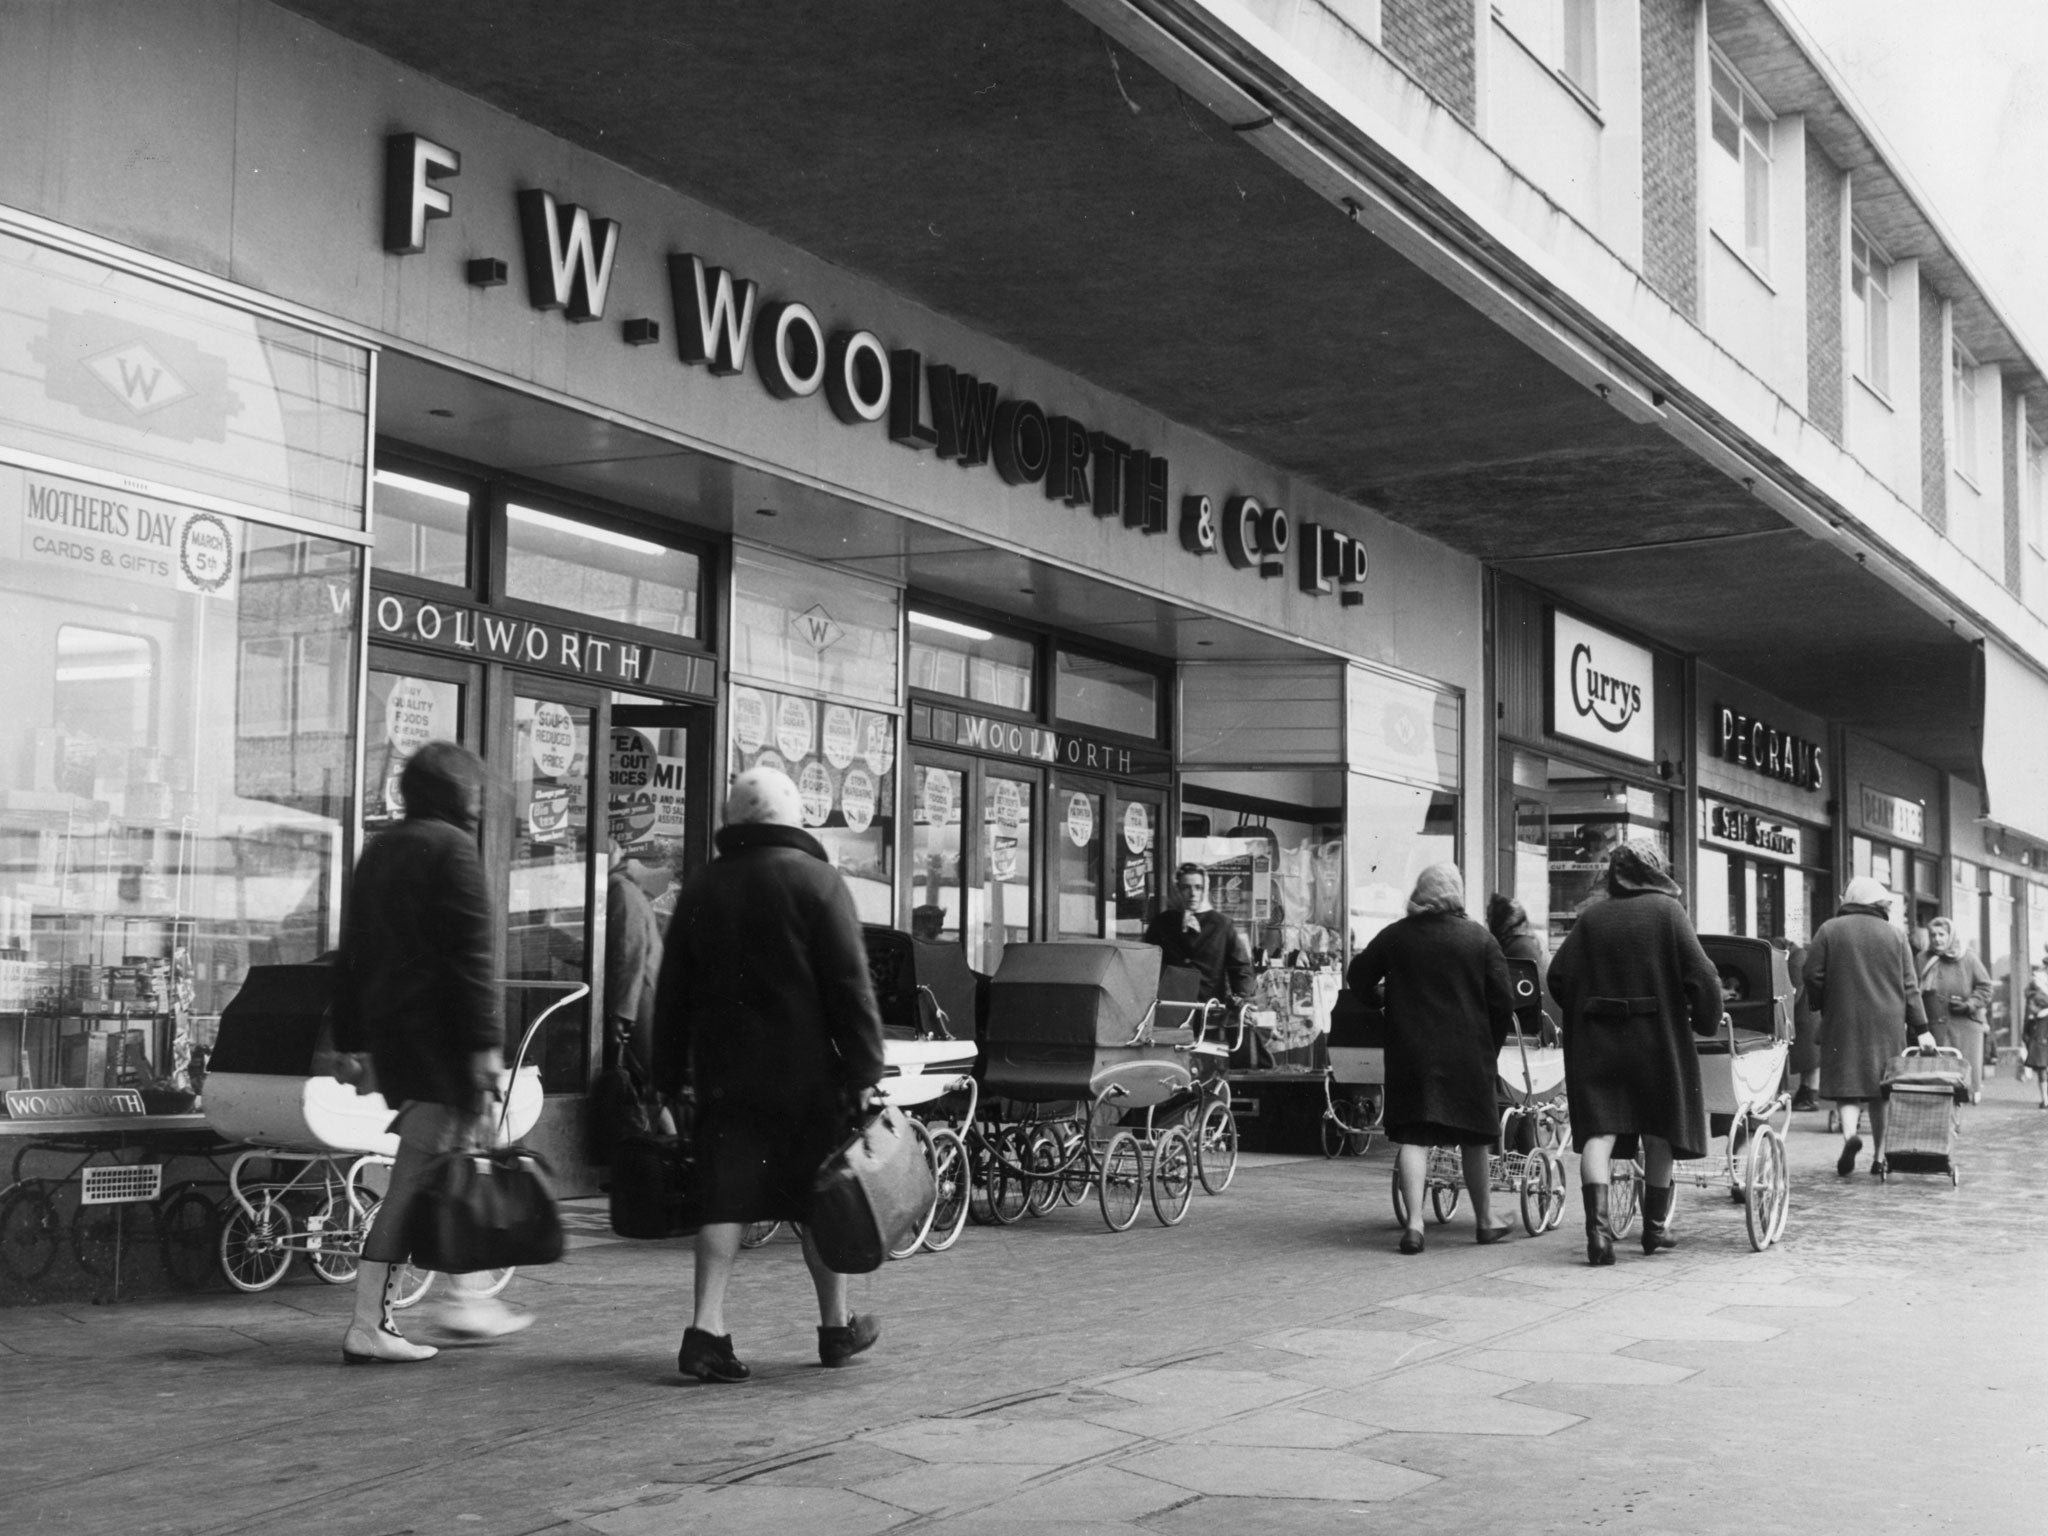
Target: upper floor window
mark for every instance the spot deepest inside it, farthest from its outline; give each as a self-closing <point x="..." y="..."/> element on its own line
<point x="1963" y="408"/>
<point x="1562" y="33"/>
<point x="2036" y="511"/>
<point x="568" y="562"/>
<point x="1738" y="175"/>
<point x="964" y="660"/>
<point x="1870" y="292"/>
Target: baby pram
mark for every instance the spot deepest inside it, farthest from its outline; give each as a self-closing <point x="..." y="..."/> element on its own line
<point x="1355" y="1090"/>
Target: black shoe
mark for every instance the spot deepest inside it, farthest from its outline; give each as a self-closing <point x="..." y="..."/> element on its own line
<point x="1804" y="1100"/>
<point x="1497" y="1234"/>
<point x="1846" y="1163"/>
<point x="1599" y="1237"/>
<point x="1411" y="1241"/>
<point x="1879" y="1168"/>
<point x="709" y="1357"/>
<point x="836" y="1346"/>
<point x="1657" y="1218"/>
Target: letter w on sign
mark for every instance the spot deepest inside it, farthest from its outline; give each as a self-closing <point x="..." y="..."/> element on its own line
<point x="567" y="269"/>
<point x="714" y="314"/>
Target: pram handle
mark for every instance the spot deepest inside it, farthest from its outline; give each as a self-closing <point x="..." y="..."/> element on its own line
<point x="945" y="1024"/>
<point x="1239" y="1013"/>
<point x="1144" y="1026"/>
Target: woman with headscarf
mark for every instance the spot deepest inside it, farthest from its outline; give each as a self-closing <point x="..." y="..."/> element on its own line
<point x="1859" y="974"/>
<point x="1635" y="987"/>
<point x="1449" y="1005"/>
<point x="1508" y="921"/>
<point x="1955" y="991"/>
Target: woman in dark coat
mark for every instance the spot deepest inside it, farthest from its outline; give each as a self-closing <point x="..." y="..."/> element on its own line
<point x="1508" y="921"/>
<point x="766" y="1006"/>
<point x="1448" y="1006"/>
<point x="1859" y="974"/>
<point x="1631" y="977"/>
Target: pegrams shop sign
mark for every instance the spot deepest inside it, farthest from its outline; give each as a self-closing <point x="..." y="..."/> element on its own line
<point x="724" y="323"/>
<point x="1602" y="689"/>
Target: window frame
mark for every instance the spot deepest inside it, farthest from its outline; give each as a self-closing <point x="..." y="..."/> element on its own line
<point x="1752" y="148"/>
<point x="1965" y="425"/>
<point x="2034" y="492"/>
<point x="1565" y="40"/>
<point x="1041" y="691"/>
<point x="1870" y="271"/>
<point x="1163" y="677"/>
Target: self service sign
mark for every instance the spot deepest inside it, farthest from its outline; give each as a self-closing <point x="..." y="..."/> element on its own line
<point x="1602" y="689"/>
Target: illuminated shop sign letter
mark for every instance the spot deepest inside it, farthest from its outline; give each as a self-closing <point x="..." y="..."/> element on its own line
<point x="1066" y="473"/>
<point x="963" y="414"/>
<point x="789" y="351"/>
<point x="714" y="314"/>
<point x="857" y="377"/>
<point x="906" y="400"/>
<point x="411" y="167"/>
<point x="571" y="270"/>
<point x="1022" y="444"/>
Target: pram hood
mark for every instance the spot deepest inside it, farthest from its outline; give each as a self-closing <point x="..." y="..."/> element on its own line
<point x="1084" y="993"/>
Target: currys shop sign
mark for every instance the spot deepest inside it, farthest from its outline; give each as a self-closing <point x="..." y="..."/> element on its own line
<point x="1602" y="689"/>
<point x="724" y="323"/>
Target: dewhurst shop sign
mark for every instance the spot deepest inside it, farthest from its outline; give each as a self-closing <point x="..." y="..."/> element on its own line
<point x="722" y="322"/>
<point x="1602" y="689"/>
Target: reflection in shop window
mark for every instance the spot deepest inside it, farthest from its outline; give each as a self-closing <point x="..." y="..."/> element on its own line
<point x="965" y="661"/>
<point x="566" y="563"/>
<point x="176" y="755"/>
<point x="1106" y="694"/>
<point x="1396" y="831"/>
<point x="422" y="528"/>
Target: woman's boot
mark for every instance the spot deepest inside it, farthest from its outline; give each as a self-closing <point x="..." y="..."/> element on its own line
<point x="1657" y="1218"/>
<point x="372" y="1337"/>
<point x="1599" y="1240"/>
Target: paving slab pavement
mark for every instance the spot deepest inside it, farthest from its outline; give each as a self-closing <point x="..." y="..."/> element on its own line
<point x="1270" y="1365"/>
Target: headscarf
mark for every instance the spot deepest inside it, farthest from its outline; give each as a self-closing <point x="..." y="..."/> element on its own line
<point x="1505" y="916"/>
<point x="1440" y="888"/>
<point x="764" y="796"/>
<point x="442" y="781"/>
<point x="1638" y="865"/>
<point x="1863" y="891"/>
<point x="1949" y="948"/>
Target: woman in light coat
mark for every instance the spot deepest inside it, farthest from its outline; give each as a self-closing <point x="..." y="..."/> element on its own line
<point x="1859" y="975"/>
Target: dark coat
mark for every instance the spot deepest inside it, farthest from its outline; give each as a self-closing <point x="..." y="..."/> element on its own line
<point x="632" y="963"/>
<point x="1216" y="949"/>
<point x="1449" y="1006"/>
<point x="416" y="981"/>
<point x="1635" y="987"/>
<point x="1859" y="974"/>
<point x="765" y="998"/>
<point x="1519" y="940"/>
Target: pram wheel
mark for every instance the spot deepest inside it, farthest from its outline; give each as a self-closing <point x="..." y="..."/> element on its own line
<point x="951" y="1180"/>
<point x="1624" y="1199"/>
<point x="1042" y="1158"/>
<point x="758" y="1232"/>
<point x="255" y="1243"/>
<point x="1121" y="1181"/>
<point x="1173" y="1177"/>
<point x="1216" y="1147"/>
<point x="333" y="1249"/>
<point x="29" y="1230"/>
<point x="1542" y="1191"/>
<point x="1769" y="1191"/>
<point x="1443" y="1199"/>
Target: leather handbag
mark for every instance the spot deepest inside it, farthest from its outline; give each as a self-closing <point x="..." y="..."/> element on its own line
<point x="485" y="1209"/>
<point x="652" y="1187"/>
<point x="871" y="1194"/>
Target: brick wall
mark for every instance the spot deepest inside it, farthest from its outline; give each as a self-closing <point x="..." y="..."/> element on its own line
<point x="1824" y="282"/>
<point x="1933" y="408"/>
<point x="2009" y="415"/>
<point x="1671" y="133"/>
<point x="1433" y="41"/>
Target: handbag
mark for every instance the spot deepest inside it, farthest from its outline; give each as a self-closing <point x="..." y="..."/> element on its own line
<point x="871" y="1194"/>
<point x="485" y="1209"/>
<point x="653" y="1192"/>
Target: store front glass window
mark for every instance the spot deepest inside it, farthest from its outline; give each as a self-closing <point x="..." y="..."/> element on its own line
<point x="1106" y="694"/>
<point x="1079" y="839"/>
<point x="843" y="760"/>
<point x="1575" y="815"/>
<point x="1396" y="831"/>
<point x="176" y="725"/>
<point x="1272" y="844"/>
<point x="403" y="714"/>
<point x="807" y="629"/>
<point x="422" y="528"/>
<point x="548" y="878"/>
<point x="568" y="563"/>
<point x="965" y="661"/>
<point x="1999" y="908"/>
<point x="1008" y="820"/>
<point x="935" y="905"/>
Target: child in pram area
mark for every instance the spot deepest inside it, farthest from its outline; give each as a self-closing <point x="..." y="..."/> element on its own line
<point x="1449" y="1006"/>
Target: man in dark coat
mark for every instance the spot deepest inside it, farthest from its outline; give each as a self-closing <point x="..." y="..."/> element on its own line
<point x="1449" y="1006"/>
<point x="416" y="987"/>
<point x="766" y="1007"/>
<point x="1196" y="936"/>
<point x="1631" y="977"/>
<point x="1859" y="975"/>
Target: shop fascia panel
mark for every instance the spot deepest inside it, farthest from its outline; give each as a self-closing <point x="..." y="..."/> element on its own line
<point x="1610" y="330"/>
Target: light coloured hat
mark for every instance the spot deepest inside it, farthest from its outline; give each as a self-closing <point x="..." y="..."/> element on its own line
<point x="1439" y="888"/>
<point x="764" y="796"/>
<point x="1863" y="891"/>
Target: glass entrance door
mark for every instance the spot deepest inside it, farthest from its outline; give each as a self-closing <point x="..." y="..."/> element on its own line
<point x="413" y="699"/>
<point x="1009" y="863"/>
<point x="554" y="865"/>
<point x="1105" y="852"/>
